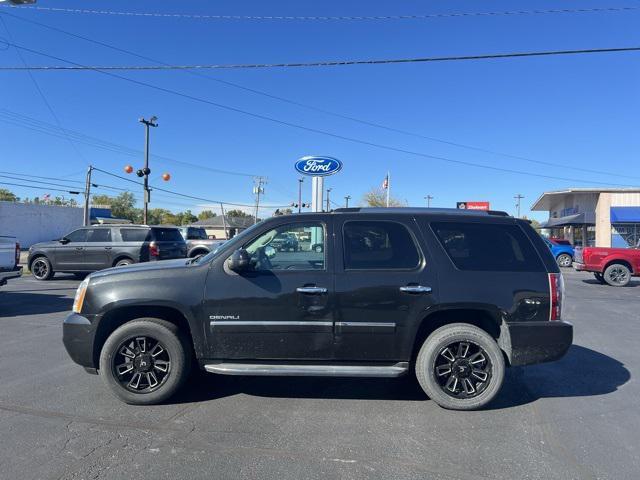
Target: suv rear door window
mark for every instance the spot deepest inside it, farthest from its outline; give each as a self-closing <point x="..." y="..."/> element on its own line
<point x="378" y="245"/>
<point x="196" y="234"/>
<point x="134" y="234"/>
<point x="488" y="247"/>
<point x="167" y="235"/>
<point x="99" y="235"/>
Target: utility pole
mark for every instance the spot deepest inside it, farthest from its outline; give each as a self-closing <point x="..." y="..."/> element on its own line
<point x="346" y="201"/>
<point x="257" y="190"/>
<point x="87" y="193"/>
<point x="146" y="171"/>
<point x="300" y="181"/>
<point x="388" y="187"/>
<point x="328" y="201"/>
<point x="518" y="197"/>
<point x="428" y="198"/>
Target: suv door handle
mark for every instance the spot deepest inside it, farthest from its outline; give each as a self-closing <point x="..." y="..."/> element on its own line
<point x="108" y="248"/>
<point x="79" y="248"/>
<point x="415" y="289"/>
<point x="311" y="290"/>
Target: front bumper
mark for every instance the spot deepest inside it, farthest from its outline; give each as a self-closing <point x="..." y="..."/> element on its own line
<point x="15" y="273"/>
<point x="78" y="335"/>
<point x="527" y="343"/>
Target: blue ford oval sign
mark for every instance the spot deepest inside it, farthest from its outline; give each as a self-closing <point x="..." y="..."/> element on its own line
<point x="318" y="166"/>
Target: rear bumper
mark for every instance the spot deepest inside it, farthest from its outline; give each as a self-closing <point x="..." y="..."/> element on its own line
<point x="78" y="335"/>
<point x="527" y="343"/>
<point x="4" y="276"/>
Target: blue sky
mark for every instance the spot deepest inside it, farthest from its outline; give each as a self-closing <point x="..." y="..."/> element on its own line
<point x="579" y="111"/>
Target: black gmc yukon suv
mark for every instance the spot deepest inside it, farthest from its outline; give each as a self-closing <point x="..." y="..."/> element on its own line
<point x="456" y="295"/>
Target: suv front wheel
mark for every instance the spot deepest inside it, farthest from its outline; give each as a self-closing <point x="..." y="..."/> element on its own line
<point x="460" y="367"/>
<point x="145" y="361"/>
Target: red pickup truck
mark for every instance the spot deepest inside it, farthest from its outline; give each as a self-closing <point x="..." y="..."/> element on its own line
<point x="614" y="266"/>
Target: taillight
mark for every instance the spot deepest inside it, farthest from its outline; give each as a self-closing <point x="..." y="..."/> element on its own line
<point x="17" y="254"/>
<point x="556" y="291"/>
<point x="154" y="251"/>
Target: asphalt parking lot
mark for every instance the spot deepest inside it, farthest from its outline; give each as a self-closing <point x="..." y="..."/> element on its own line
<point x="578" y="418"/>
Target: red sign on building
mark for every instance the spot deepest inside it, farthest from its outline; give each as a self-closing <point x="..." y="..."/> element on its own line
<point x="473" y="205"/>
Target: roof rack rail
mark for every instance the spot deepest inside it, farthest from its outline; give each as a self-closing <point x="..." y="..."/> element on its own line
<point x="417" y="210"/>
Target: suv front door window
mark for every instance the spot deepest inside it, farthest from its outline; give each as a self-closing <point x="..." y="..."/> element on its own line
<point x="282" y="307"/>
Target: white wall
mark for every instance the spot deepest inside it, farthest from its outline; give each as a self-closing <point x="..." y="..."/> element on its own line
<point x="37" y="223"/>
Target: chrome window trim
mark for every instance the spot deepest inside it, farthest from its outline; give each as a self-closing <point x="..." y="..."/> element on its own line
<point x="366" y="324"/>
<point x="271" y="323"/>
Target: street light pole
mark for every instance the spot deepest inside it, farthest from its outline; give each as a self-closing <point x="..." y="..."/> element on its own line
<point x="146" y="171"/>
<point x="300" y="181"/>
<point x="346" y="201"/>
<point x="87" y="193"/>
<point x="328" y="201"/>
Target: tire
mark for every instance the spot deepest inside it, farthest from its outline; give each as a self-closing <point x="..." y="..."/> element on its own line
<point x="123" y="262"/>
<point x="617" y="275"/>
<point x="317" y="248"/>
<point x="463" y="388"/>
<point x="41" y="268"/>
<point x="173" y="354"/>
<point x="599" y="277"/>
<point x="564" y="260"/>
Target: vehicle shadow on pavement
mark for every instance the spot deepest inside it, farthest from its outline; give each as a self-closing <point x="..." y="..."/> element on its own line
<point x="24" y="303"/>
<point x="582" y="372"/>
<point x="591" y="281"/>
<point x="203" y="386"/>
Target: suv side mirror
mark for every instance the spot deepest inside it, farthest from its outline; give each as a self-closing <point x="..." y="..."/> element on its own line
<point x="239" y="261"/>
<point x="64" y="240"/>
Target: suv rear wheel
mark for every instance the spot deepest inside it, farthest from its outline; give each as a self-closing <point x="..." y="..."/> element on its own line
<point x="617" y="275"/>
<point x="145" y="361"/>
<point x="460" y="367"/>
<point x="41" y="268"/>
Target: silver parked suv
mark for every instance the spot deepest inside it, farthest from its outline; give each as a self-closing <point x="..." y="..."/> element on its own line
<point x="88" y="249"/>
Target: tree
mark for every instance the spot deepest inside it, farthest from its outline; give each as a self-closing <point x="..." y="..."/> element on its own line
<point x="377" y="197"/>
<point x="237" y="213"/>
<point x="122" y="206"/>
<point x="206" y="215"/>
<point x="7" y="195"/>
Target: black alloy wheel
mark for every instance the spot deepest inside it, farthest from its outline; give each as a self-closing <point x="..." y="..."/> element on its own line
<point x="463" y="369"/>
<point x="141" y="364"/>
<point x="41" y="268"/>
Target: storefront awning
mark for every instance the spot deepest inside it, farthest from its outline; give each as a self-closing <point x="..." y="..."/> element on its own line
<point x="584" y="218"/>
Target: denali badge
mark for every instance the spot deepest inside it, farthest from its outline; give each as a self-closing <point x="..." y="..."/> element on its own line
<point x="224" y="317"/>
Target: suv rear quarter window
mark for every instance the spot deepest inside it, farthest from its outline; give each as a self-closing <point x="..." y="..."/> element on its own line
<point x="167" y="235"/>
<point x="134" y="234"/>
<point x="488" y="247"/>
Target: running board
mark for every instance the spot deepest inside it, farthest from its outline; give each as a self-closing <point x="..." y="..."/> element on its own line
<point x="395" y="370"/>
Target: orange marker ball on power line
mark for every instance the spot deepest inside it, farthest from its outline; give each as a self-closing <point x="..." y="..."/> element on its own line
<point x="128" y="169"/>
<point x="166" y="177"/>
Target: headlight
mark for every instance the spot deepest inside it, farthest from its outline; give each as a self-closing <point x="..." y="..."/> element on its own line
<point x="80" y="293"/>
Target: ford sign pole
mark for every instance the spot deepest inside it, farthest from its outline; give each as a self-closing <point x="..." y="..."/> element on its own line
<point x="317" y="167"/>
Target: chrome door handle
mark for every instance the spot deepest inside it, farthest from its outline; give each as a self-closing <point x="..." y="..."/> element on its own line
<point x="108" y="248"/>
<point x="311" y="290"/>
<point x="415" y="289"/>
<point x="79" y="248"/>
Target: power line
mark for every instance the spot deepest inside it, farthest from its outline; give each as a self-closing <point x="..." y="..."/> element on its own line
<point x="22" y="178"/>
<point x="42" y="95"/>
<point x="327" y="17"/>
<point x="326" y="63"/>
<point x="30" y="123"/>
<point x="321" y="132"/>
<point x="40" y="188"/>
<point x="318" y="109"/>
<point x="184" y="195"/>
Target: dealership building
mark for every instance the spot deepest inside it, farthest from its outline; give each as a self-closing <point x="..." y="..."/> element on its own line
<point x="593" y="217"/>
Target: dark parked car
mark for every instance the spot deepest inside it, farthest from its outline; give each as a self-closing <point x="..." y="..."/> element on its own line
<point x="198" y="242"/>
<point x="88" y="249"/>
<point x="285" y="242"/>
<point x="456" y="294"/>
